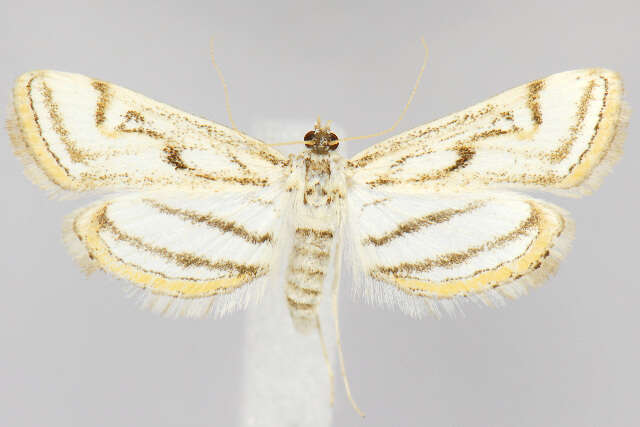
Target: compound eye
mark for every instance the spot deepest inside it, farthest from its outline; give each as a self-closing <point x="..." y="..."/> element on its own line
<point x="333" y="141"/>
<point x="309" y="135"/>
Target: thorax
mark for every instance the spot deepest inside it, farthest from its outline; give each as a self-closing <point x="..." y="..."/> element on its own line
<point x="317" y="183"/>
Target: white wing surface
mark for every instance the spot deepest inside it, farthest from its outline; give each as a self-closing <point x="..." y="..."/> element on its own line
<point x="189" y="254"/>
<point x="421" y="252"/>
<point x="77" y="133"/>
<point x="560" y="134"/>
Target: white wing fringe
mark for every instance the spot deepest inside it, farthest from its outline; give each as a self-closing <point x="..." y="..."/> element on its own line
<point x="216" y="306"/>
<point x="75" y="247"/>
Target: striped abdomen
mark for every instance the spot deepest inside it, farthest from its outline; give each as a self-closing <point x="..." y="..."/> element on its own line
<point x="308" y="266"/>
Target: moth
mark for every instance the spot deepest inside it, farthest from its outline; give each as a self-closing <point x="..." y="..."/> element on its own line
<point x="207" y="217"/>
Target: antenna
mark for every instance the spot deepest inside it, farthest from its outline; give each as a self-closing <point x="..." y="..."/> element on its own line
<point x="398" y="120"/>
<point x="406" y="107"/>
<point x="224" y="86"/>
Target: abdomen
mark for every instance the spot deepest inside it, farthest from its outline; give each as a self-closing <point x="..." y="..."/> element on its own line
<point x="308" y="266"/>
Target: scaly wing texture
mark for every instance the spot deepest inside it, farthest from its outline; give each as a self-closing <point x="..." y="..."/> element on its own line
<point x="423" y="252"/>
<point x="188" y="254"/>
<point x="76" y="133"/>
<point x="561" y="134"/>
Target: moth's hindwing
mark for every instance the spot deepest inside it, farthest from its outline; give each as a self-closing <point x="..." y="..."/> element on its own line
<point x="187" y="254"/>
<point x="423" y="251"/>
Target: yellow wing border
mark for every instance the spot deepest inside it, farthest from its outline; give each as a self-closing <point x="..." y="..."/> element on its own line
<point x="170" y="297"/>
<point x="607" y="146"/>
<point x="24" y="132"/>
<point x="491" y="287"/>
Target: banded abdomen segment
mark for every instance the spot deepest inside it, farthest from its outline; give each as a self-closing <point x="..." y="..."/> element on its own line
<point x="305" y="277"/>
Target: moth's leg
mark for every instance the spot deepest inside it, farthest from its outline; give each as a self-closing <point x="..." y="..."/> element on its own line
<point x="325" y="353"/>
<point x="334" y="304"/>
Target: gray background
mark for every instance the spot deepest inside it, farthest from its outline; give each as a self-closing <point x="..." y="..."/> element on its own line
<point x="75" y="352"/>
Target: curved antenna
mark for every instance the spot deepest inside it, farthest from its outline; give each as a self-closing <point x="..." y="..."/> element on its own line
<point x="224" y="86"/>
<point x="406" y="107"/>
<point x="398" y="120"/>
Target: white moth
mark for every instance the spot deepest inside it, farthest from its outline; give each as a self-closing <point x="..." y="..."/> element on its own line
<point x="423" y="220"/>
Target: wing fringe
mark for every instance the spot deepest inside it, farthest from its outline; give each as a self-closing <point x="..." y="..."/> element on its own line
<point x="76" y="248"/>
<point x="215" y="306"/>
<point x="31" y="168"/>
<point x="609" y="158"/>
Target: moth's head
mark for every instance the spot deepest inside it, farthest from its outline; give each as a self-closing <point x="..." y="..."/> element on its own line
<point x="321" y="140"/>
